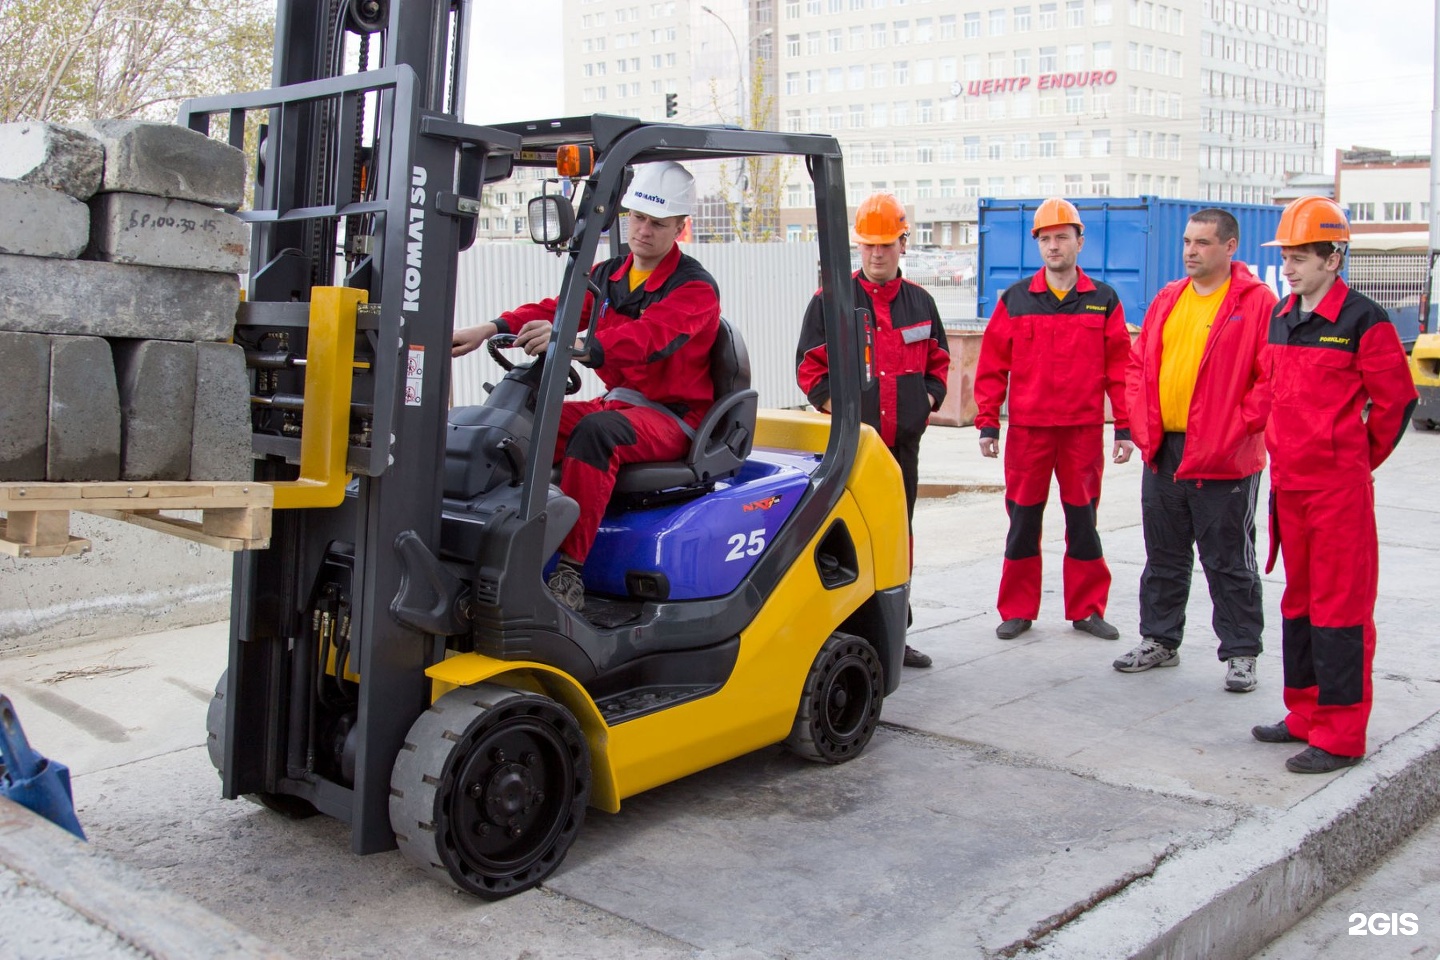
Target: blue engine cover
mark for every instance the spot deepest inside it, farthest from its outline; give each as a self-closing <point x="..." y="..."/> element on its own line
<point x="704" y="547"/>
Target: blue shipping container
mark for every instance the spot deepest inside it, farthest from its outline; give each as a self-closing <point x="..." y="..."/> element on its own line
<point x="1134" y="244"/>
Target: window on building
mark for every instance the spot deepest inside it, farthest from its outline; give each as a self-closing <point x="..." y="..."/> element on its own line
<point x="1049" y="106"/>
<point x="1047" y="146"/>
<point x="902" y="32"/>
<point x="924" y="111"/>
<point x="948" y="69"/>
<point x="925" y="152"/>
<point x="947" y="27"/>
<point x="1049" y="60"/>
<point x="833" y="42"/>
<point x="949" y="188"/>
<point x="792" y="44"/>
<point x="1101" y="56"/>
<point x="970" y="149"/>
<point x="812" y="8"/>
<point x="900" y="110"/>
<point x="1047" y="19"/>
<point x="1022" y="62"/>
<point x="1100" y="143"/>
<point x="857" y="115"/>
<point x="1398" y="212"/>
<point x="835" y="118"/>
<point x="1100" y="184"/>
<point x="924" y="71"/>
<point x="997" y="65"/>
<point x="996" y="20"/>
<point x="882" y="153"/>
<point x="1073" y="183"/>
<point x="879" y="114"/>
<point x="879" y="74"/>
<point x="947" y="151"/>
<point x="971" y="26"/>
<point x="1362" y="212"/>
<point x="1102" y="14"/>
<point x="1074" y="144"/>
<point x="902" y="72"/>
<point x="1074" y="13"/>
<point x="1075" y="56"/>
<point x="792" y="9"/>
<point x="1022" y="18"/>
<point x="995" y="109"/>
<point x="793" y="123"/>
<point x="857" y="77"/>
<point x="971" y="187"/>
<point x="834" y="80"/>
<point x="924" y="30"/>
<point x="1020" y="146"/>
<point x="812" y="81"/>
<point x="902" y="191"/>
<point x="995" y="148"/>
<point x="857" y="38"/>
<point x="812" y="43"/>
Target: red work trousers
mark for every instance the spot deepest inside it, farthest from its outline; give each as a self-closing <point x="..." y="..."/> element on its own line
<point x="596" y="438"/>
<point x="1075" y="456"/>
<point x="1332" y="576"/>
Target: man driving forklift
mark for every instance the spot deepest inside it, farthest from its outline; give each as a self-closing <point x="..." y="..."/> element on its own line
<point x="648" y="340"/>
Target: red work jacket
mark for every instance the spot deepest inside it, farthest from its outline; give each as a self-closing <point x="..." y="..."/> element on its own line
<point x="1321" y="370"/>
<point x="912" y="357"/>
<point x="656" y="338"/>
<point x="1223" y="438"/>
<point x="1056" y="359"/>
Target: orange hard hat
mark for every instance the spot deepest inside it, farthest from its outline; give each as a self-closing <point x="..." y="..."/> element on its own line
<point x="1055" y="212"/>
<point x="880" y="219"/>
<point x="1311" y="219"/>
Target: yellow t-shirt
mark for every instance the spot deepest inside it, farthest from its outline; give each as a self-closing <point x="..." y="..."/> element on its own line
<point x="1059" y="294"/>
<point x="638" y="277"/>
<point x="1182" y="346"/>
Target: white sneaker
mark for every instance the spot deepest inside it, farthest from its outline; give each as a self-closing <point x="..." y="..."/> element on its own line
<point x="1240" y="676"/>
<point x="1150" y="653"/>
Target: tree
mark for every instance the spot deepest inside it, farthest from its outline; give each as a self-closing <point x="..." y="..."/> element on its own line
<point x="70" y="60"/>
<point x="752" y="187"/>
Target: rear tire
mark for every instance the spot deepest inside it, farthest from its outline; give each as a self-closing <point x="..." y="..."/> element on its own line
<point x="490" y="789"/>
<point x="840" y="705"/>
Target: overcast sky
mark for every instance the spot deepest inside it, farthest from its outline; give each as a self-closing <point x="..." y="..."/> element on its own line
<point x="1380" y="74"/>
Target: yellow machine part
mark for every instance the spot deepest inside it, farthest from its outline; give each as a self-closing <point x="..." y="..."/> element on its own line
<point x="1425" y="360"/>
<point x="757" y="705"/>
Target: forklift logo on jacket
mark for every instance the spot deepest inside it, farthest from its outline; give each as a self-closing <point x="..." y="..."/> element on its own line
<point x="415" y="249"/>
<point x="765" y="504"/>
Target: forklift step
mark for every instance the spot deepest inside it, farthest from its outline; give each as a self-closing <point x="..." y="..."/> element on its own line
<point x="638" y="702"/>
<point x="233" y="516"/>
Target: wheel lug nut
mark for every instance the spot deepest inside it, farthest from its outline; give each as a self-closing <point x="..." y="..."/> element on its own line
<point x="528" y="759"/>
<point x="538" y="798"/>
<point x="476" y="791"/>
<point x="515" y="833"/>
<point x="498" y="755"/>
<point x="483" y="829"/>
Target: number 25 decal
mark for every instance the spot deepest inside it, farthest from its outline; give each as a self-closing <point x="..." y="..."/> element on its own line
<point x="742" y="547"/>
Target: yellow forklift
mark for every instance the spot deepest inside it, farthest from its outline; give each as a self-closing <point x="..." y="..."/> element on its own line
<point x="396" y="661"/>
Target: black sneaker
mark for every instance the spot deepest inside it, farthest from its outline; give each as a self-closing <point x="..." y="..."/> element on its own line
<point x="1316" y="760"/>
<point x="1012" y="628"/>
<point x="914" y="658"/>
<point x="1096" y="626"/>
<point x="568" y="586"/>
<point x="1274" y="733"/>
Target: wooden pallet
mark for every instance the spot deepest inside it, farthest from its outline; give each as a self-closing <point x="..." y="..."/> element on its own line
<point x="233" y="516"/>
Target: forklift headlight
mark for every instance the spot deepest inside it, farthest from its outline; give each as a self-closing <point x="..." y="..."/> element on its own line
<point x="552" y="220"/>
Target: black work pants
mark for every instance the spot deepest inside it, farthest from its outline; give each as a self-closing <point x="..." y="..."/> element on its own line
<point x="1218" y="517"/>
<point x="907" y="454"/>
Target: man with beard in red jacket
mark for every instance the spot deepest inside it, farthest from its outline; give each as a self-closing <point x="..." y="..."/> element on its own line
<point x="1331" y="351"/>
<point x="912" y="357"/>
<point x="1056" y="345"/>
<point x="1197" y="413"/>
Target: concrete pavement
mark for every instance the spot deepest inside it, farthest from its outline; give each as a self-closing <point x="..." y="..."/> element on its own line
<point x="1021" y="798"/>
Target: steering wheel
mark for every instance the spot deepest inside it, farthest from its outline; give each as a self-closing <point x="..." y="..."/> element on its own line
<point x="504" y="341"/>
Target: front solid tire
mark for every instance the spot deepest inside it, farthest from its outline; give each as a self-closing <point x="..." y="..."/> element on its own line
<point x="490" y="789"/>
<point x="840" y="705"/>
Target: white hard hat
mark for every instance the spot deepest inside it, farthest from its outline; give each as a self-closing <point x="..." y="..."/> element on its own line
<point x="663" y="189"/>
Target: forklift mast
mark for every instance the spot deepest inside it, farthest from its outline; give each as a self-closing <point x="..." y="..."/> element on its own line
<point x="365" y="180"/>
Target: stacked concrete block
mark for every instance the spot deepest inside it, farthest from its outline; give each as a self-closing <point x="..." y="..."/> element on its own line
<point x="164" y="160"/>
<point x="40" y="222"/>
<point x="24" y="405"/>
<point x="83" y="437"/>
<point x="158" y="232"/>
<point x="51" y="156"/>
<point x="156" y="380"/>
<point x="220" y="447"/>
<point x="118" y="229"/>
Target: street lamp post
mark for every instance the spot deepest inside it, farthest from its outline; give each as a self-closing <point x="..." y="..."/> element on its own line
<point x="740" y="64"/>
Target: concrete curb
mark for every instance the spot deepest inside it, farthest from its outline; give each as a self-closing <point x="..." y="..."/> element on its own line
<point x="1230" y="897"/>
<point x="104" y="895"/>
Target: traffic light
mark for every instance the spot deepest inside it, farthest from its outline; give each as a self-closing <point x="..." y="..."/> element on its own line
<point x="670" y="108"/>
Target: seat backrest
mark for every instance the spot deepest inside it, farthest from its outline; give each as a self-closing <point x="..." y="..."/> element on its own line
<point x="729" y="361"/>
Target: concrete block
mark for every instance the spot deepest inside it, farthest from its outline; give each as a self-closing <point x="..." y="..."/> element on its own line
<point x="82" y="297"/>
<point x="24" y="405"/>
<point x="84" y="430"/>
<point x="220" y="449"/>
<point x="165" y="160"/>
<point x="154" y="231"/>
<point x="48" y="155"/>
<point x="40" y="222"/>
<point x="156" y="380"/>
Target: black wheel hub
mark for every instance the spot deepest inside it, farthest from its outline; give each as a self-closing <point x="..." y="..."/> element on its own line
<point x="847" y="700"/>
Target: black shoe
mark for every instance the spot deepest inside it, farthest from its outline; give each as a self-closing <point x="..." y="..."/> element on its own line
<point x="1316" y="760"/>
<point x="1275" y="733"/>
<point x="1012" y="628"/>
<point x="1096" y="627"/>
<point x="914" y="658"/>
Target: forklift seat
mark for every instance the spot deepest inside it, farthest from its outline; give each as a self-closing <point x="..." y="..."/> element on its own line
<point x="722" y="440"/>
